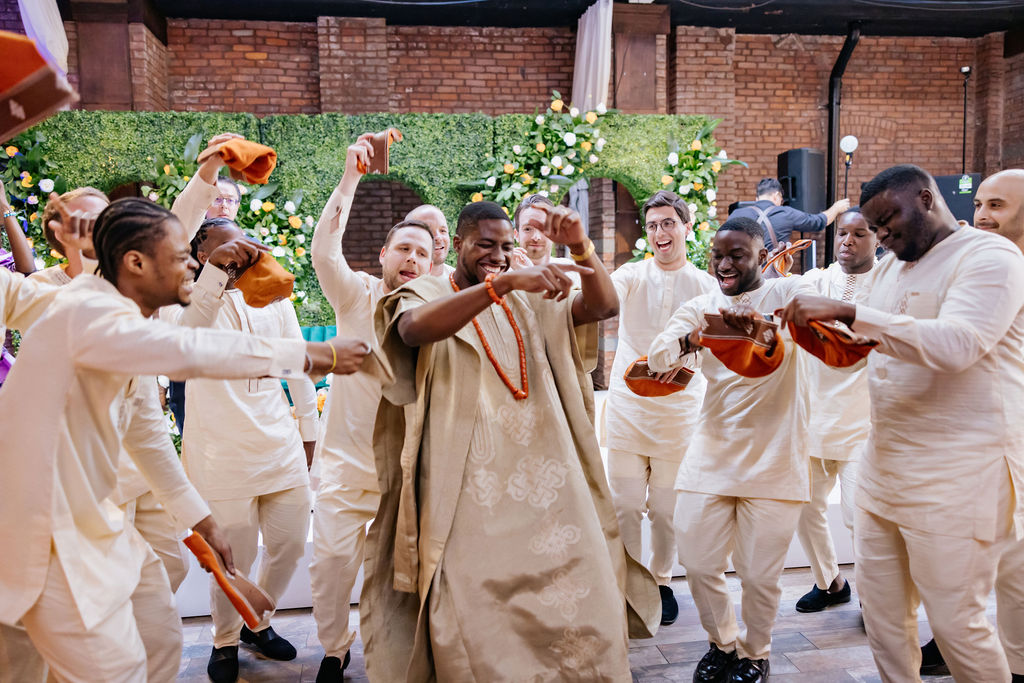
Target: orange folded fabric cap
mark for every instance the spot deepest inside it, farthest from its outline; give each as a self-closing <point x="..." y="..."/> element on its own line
<point x="248" y="161"/>
<point x="247" y="598"/>
<point x="265" y="282"/>
<point x="380" y="163"/>
<point x="640" y="380"/>
<point x="30" y="87"/>
<point x="831" y="342"/>
<point x="751" y="353"/>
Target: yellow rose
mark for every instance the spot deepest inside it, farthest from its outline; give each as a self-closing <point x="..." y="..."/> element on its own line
<point x="591" y="116"/>
<point x="300" y="252"/>
<point x="509" y="168"/>
<point x="526" y="179"/>
<point x="541" y="147"/>
<point x="557" y="105"/>
<point x="292" y="297"/>
<point x="698" y="185"/>
<point x="33" y="216"/>
<point x="505" y="209"/>
<point x="666" y="179"/>
<point x="648" y="255"/>
<point x="477" y="197"/>
<point x="26" y="181"/>
<point x="716" y="166"/>
<point x="167" y="169"/>
<point x="54" y="253"/>
<point x="267" y="206"/>
<point x="695" y="145"/>
<point x="186" y="178"/>
<point x="703" y="225"/>
<point x="295" y="222"/>
<point x="586" y="145"/>
<point x="321" y="400"/>
<point x="11" y="150"/>
<point x="282" y="240"/>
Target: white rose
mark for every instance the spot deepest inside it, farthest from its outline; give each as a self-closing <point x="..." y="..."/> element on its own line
<point x="544" y="170"/>
<point x="723" y="155"/>
<point x="491" y="181"/>
<point x="597" y="133"/>
<point x="46" y="185"/>
<point x="278" y="252"/>
<point x="569" y="170"/>
<point x="593" y="158"/>
<point x="693" y="209"/>
<point x="517" y="186"/>
<point x="255" y="205"/>
<point x="554" y="188"/>
<point x="673" y="159"/>
<point x="300" y="238"/>
<point x="712" y="211"/>
<point x="517" y="149"/>
<point x="299" y="294"/>
<point x="711" y="195"/>
<point x="543" y="193"/>
<point x="40" y="264"/>
<point x="556" y="162"/>
<point x="601" y="109"/>
<point x="570" y="139"/>
<point x="574" y="112"/>
<point x="600" y="144"/>
<point x="641" y="244"/>
<point x="539" y="120"/>
<point x="289" y="206"/>
<point x="685" y="189"/>
<point x="309" y="221"/>
<point x="153" y="196"/>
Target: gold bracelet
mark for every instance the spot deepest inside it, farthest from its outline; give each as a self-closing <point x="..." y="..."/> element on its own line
<point x="334" y="357"/>
<point x="586" y="252"/>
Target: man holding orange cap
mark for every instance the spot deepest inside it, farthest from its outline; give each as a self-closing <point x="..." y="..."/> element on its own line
<point x="744" y="480"/>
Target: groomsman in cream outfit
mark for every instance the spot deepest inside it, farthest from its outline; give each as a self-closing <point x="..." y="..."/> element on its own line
<point x="942" y="477"/>
<point x="347" y="498"/>
<point x="647" y="436"/>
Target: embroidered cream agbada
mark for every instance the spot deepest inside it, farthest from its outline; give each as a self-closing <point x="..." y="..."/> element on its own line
<point x="947" y="386"/>
<point x="64" y="436"/>
<point x="749" y="441"/>
<point x="648" y="296"/>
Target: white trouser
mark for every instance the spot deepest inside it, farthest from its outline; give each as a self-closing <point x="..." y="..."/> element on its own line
<point x="283" y="519"/>
<point x="139" y="641"/>
<point x="639" y="483"/>
<point x="19" y="660"/>
<point x="756" y="532"/>
<point x="340" y="517"/>
<point x="156" y="526"/>
<point x="1010" y="604"/>
<point x="898" y="568"/>
<point x="812" y="528"/>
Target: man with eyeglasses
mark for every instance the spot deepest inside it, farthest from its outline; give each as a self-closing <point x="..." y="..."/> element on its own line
<point x="647" y="436"/>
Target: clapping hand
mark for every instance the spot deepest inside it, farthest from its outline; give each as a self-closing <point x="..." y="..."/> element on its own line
<point x="563" y="225"/>
<point x="74" y="229"/>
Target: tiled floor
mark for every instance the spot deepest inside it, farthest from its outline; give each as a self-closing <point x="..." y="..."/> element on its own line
<point x="826" y="647"/>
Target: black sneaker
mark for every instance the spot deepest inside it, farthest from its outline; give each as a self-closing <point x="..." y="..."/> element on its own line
<point x="817" y="599"/>
<point x="714" y="666"/>
<point x="669" y="606"/>
<point x="932" y="663"/>
<point x="223" y="664"/>
<point x="332" y="669"/>
<point x="269" y="643"/>
<point x="749" y="671"/>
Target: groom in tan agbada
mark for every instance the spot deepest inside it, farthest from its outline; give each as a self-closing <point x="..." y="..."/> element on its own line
<point x="496" y="553"/>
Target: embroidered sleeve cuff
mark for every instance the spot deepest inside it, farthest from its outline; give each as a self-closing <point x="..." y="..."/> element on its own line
<point x="289" y="358"/>
<point x="871" y="322"/>
<point x="212" y="281"/>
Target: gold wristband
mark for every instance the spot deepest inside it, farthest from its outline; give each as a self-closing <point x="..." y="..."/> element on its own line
<point x="586" y="252"/>
<point x="334" y="357"/>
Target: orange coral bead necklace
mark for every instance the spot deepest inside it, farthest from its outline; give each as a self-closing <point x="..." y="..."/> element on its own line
<point x="518" y="394"/>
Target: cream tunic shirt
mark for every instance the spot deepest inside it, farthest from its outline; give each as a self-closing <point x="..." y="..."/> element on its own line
<point x="22" y="300"/>
<point x="345" y="449"/>
<point x="749" y="441"/>
<point x="840" y="408"/>
<point x="65" y="429"/>
<point x="648" y="296"/>
<point x="947" y="386"/>
<point x="240" y="438"/>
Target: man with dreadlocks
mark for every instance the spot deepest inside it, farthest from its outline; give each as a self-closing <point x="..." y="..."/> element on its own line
<point x="80" y="579"/>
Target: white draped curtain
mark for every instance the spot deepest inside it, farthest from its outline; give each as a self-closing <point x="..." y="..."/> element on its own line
<point x="43" y="24"/>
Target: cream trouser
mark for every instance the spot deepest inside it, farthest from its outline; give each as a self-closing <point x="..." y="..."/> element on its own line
<point x="757" y="533"/>
<point x="340" y="517"/>
<point x="640" y="483"/>
<point x="139" y="641"/>
<point x="283" y="519"/>
<point x="898" y="568"/>
<point x="812" y="529"/>
<point x="1010" y="604"/>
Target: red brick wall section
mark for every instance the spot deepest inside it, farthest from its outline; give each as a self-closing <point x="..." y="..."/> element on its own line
<point x="378" y="205"/>
<point x="71" y="29"/>
<point x="10" y="17"/>
<point x="263" y="67"/>
<point x="989" y="93"/>
<point x="149" y="69"/>
<point x="353" y="64"/>
<point x="470" y="69"/>
<point x="1013" y="121"/>
<point x="601" y="227"/>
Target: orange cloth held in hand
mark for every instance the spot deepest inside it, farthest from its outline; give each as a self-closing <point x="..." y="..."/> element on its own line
<point x="380" y="163"/>
<point x="251" y="161"/>
<point x="265" y="282"/>
<point x="640" y="380"/>
<point x="246" y="597"/>
<point x="832" y="344"/>
<point x="30" y="88"/>
<point x="751" y="353"/>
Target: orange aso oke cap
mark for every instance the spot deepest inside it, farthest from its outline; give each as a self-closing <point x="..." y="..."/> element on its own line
<point x="247" y="598"/>
<point x="248" y="161"/>
<point x="751" y="353"/>
<point x="30" y="88"/>
<point x="265" y="282"/>
<point x="831" y="342"/>
<point x="640" y="380"/>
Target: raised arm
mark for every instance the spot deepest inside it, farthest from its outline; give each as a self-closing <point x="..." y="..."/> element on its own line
<point x="24" y="263"/>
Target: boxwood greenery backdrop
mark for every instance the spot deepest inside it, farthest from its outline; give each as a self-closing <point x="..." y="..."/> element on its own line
<point x="443" y="158"/>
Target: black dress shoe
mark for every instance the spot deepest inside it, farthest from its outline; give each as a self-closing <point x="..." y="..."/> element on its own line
<point x="1017" y="678"/>
<point x="714" y="666"/>
<point x="332" y="669"/>
<point x="817" y="599"/>
<point x="269" y="643"/>
<point x="223" y="665"/>
<point x="932" y="663"/>
<point x="749" y="671"/>
<point x="669" y="606"/>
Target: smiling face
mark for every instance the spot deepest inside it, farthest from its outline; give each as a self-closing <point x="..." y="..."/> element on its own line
<point x="485" y="250"/>
<point x="736" y="260"/>
<point x="999" y="205"/>
<point x="898" y="218"/>
<point x="167" y="274"/>
<point x="666" y="233"/>
<point x="530" y="236"/>
<point x="406" y="256"/>
<point x="855" y="243"/>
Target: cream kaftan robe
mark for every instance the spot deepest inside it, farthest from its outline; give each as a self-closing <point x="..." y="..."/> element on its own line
<point x="507" y="563"/>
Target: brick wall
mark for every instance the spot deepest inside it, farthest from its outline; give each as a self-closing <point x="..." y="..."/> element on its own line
<point x="1013" y="121"/>
<point x="149" y="69"/>
<point x="10" y="17"/>
<point x="378" y="205"/>
<point x="353" y="64"/>
<point x="263" y="67"/>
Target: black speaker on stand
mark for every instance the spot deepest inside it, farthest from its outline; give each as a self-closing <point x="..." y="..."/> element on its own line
<point x="802" y="174"/>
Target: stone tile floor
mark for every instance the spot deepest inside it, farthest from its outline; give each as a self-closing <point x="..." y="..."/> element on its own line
<point x="826" y="647"/>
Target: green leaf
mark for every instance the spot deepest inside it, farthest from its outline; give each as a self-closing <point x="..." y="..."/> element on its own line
<point x="264" y="191"/>
<point x="192" y="148"/>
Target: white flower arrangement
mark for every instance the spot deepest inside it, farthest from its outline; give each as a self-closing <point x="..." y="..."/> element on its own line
<point x="556" y="161"/>
<point x="490" y="182"/>
<point x="570" y="139"/>
<point x="255" y="205"/>
<point x="46" y="185"/>
<point x="673" y="158"/>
